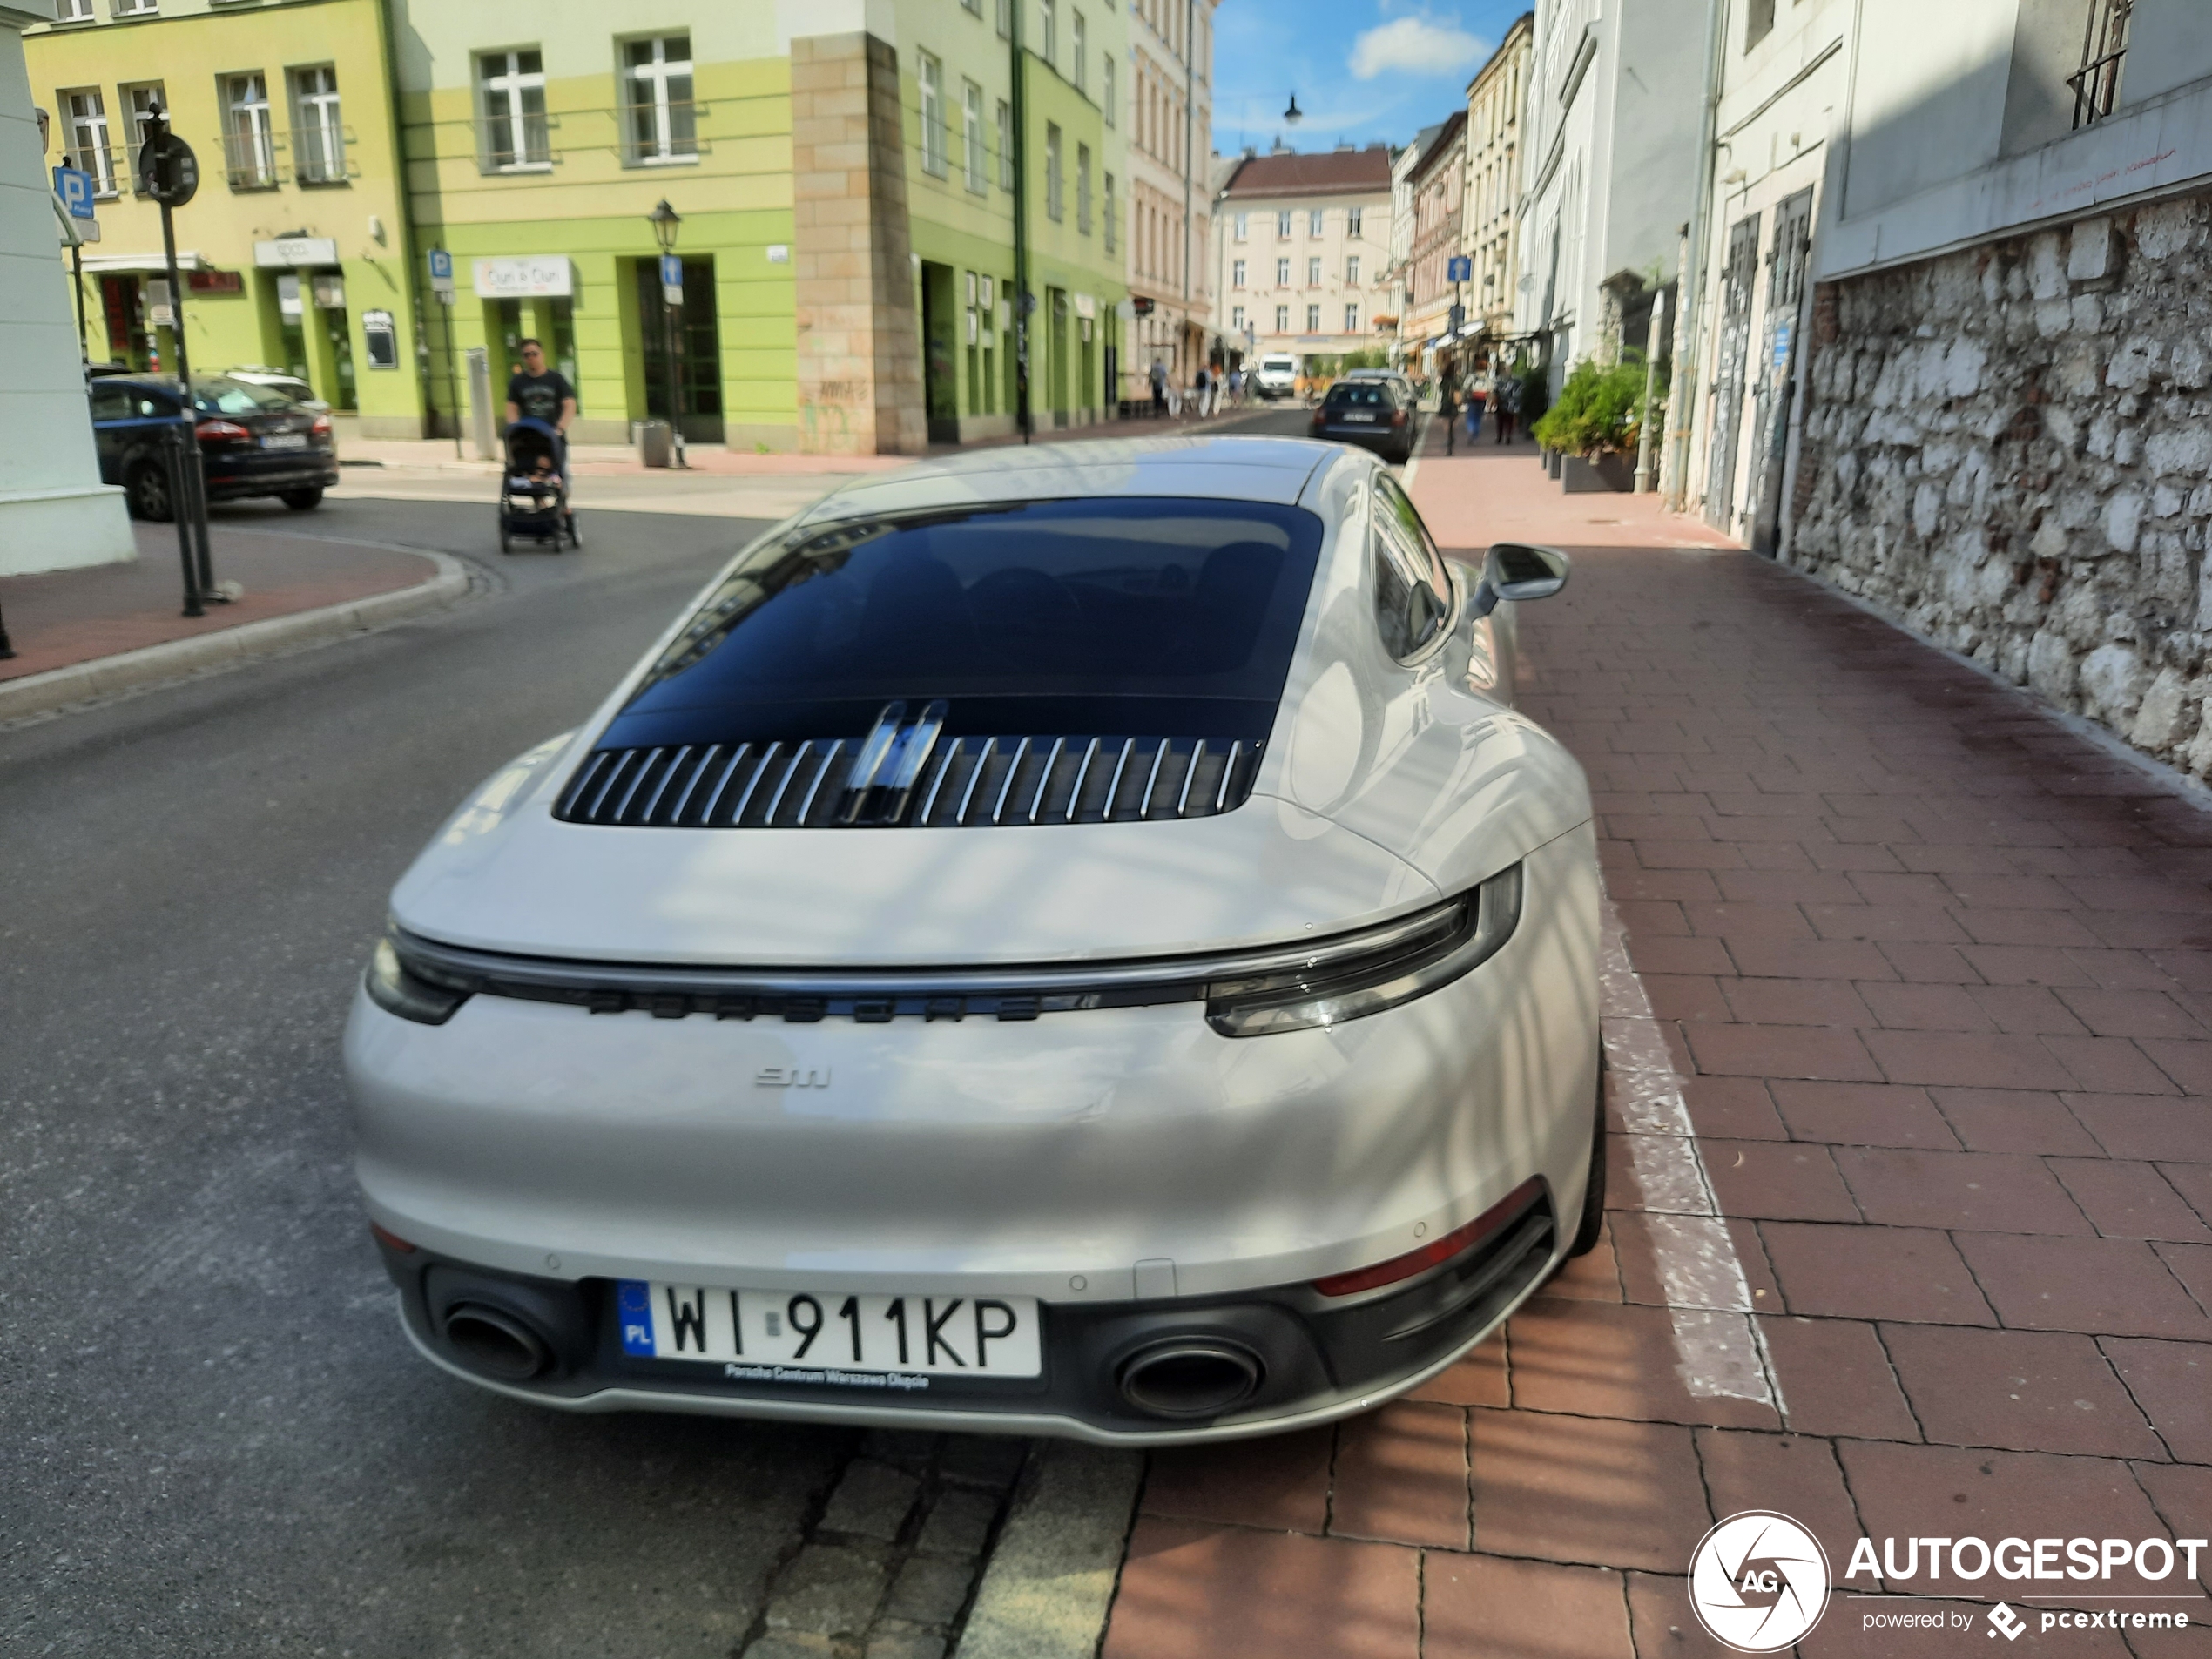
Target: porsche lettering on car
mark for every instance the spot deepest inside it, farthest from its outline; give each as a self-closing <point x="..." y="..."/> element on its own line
<point x="1075" y="941"/>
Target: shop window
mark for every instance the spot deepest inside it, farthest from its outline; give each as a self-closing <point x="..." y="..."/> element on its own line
<point x="513" y="132"/>
<point x="249" y="142"/>
<point x="318" y="134"/>
<point x="661" y="120"/>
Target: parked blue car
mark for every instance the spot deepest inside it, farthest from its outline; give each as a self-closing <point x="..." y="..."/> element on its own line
<point x="254" y="440"/>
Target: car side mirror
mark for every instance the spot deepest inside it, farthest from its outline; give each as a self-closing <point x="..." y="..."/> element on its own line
<point x="1518" y="571"/>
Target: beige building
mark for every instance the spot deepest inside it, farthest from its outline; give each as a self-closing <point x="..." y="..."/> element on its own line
<point x="1438" y="186"/>
<point x="1170" y="139"/>
<point x="1488" y="218"/>
<point x="1305" y="244"/>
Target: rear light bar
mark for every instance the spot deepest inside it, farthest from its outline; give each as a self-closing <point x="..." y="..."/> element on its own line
<point x="390" y="1240"/>
<point x="1434" y="1254"/>
<point x="222" y="432"/>
<point x="321" y="427"/>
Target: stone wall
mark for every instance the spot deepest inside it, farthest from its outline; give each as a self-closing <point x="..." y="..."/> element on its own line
<point x="2009" y="449"/>
<point x="860" y="341"/>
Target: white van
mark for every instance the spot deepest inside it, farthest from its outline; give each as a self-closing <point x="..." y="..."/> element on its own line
<point x="1278" y="375"/>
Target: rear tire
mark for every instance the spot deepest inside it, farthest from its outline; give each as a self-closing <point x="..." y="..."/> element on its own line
<point x="302" y="501"/>
<point x="505" y="546"/>
<point x="146" y="492"/>
<point x="576" y="541"/>
<point x="1592" y="1224"/>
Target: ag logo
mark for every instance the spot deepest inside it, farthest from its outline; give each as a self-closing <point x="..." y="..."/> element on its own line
<point x="1759" y="1581"/>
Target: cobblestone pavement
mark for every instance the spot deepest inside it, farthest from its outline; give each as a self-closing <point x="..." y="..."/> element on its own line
<point x="1915" y="1047"/>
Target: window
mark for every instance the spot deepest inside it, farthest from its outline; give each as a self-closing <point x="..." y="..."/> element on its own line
<point x="1049" y="32"/>
<point x="1197" y="600"/>
<point x="1283" y="223"/>
<point x="663" y="122"/>
<point x="1282" y="319"/>
<point x="249" y="148"/>
<point x="1758" y="23"/>
<point x="1005" y="124"/>
<point x="136" y="8"/>
<point x="1235" y="274"/>
<point x="1313" y="320"/>
<point x="1083" y="189"/>
<point x="974" y="148"/>
<point x="1237" y="319"/>
<point x="84" y="138"/>
<point x="975" y="6"/>
<point x="1113" y="217"/>
<point x="931" y="74"/>
<point x="1352" y="221"/>
<point x="1313" y="273"/>
<point x="1313" y="222"/>
<point x="1412" y="592"/>
<point x="1351" y="270"/>
<point x="1352" y="319"/>
<point x="1282" y="273"/>
<point x="511" y="90"/>
<point x="1003" y="16"/>
<point x="1106" y="99"/>
<point x="318" y="135"/>
<point x="1055" y="208"/>
<point x="73" y="11"/>
<point x="139" y="103"/>
<point x="1077" y="40"/>
<point x="2104" y="45"/>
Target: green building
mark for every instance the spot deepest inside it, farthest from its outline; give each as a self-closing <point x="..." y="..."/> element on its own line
<point x="296" y="251"/>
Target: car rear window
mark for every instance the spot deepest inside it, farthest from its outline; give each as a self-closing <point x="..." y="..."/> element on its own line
<point x="1126" y="615"/>
<point x="1360" y="395"/>
<point x="226" y="397"/>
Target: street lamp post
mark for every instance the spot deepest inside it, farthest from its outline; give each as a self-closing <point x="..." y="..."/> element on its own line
<point x="665" y="221"/>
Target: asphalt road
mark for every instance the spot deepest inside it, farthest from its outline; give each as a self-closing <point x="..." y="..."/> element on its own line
<point x="217" y="1439"/>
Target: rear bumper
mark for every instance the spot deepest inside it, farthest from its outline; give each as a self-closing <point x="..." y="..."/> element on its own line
<point x="1318" y="1358"/>
<point x="1383" y="440"/>
<point x="309" y="470"/>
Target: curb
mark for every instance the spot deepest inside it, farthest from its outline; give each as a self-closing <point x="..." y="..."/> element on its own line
<point x="227" y="647"/>
<point x="1053" y="1572"/>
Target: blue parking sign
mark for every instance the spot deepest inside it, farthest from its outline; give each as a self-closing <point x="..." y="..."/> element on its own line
<point x="74" y="186"/>
<point x="440" y="265"/>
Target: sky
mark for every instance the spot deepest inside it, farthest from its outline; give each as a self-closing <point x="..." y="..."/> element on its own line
<point x="1363" y="70"/>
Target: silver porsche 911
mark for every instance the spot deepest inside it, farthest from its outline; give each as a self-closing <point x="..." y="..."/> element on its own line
<point x="1073" y="940"/>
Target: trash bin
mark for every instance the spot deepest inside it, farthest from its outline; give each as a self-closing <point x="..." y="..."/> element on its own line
<point x="654" y="442"/>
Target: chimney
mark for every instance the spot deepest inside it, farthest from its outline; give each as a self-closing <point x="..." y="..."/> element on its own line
<point x="1344" y="145"/>
<point x="1279" y="148"/>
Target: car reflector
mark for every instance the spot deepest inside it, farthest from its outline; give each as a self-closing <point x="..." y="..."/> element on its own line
<point x="1434" y="1254"/>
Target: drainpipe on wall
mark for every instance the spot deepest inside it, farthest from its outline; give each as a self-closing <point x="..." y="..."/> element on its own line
<point x="1018" y="119"/>
<point x="1682" y="395"/>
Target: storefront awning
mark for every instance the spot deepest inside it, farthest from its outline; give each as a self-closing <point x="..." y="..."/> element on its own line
<point x="154" y="264"/>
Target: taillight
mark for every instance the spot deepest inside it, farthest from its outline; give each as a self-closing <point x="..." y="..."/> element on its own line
<point x="390" y="1240"/>
<point x="321" y="427"/>
<point x="1437" y="1252"/>
<point x="222" y="432"/>
<point x="1399" y="418"/>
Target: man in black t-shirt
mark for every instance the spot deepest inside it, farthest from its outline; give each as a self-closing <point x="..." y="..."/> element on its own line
<point x="537" y="393"/>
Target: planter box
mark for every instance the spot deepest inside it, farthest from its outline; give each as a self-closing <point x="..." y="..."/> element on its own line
<point x="1551" y="463"/>
<point x="1597" y="474"/>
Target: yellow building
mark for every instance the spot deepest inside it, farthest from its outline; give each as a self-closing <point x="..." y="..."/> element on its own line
<point x="295" y="249"/>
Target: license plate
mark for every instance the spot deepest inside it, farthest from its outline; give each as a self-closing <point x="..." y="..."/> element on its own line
<point x="785" y="1335"/>
<point x="1367" y="420"/>
<point x="284" y="441"/>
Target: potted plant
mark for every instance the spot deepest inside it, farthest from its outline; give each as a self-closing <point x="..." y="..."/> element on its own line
<point x="1595" y="424"/>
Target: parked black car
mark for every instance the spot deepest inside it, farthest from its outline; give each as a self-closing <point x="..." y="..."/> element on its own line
<point x="252" y="441"/>
<point x="1374" y="414"/>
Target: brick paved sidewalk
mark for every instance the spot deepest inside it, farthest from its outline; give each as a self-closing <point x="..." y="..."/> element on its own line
<point x="64" y="617"/>
<point x="1936" y="977"/>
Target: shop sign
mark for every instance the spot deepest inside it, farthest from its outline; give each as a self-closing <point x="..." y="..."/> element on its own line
<point x="535" y="276"/>
<point x="296" y="251"/>
<point x="215" y="282"/>
<point x="1086" y="306"/>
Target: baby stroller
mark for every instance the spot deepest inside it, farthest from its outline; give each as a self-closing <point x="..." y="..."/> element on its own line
<point x="533" y="488"/>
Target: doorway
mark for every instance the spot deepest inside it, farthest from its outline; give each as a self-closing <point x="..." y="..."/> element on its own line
<point x="1057" y="355"/>
<point x="698" y="362"/>
<point x="1736" y="278"/>
<point x="939" y="384"/>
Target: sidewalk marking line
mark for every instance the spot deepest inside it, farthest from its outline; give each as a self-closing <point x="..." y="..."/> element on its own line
<point x="1719" y="1351"/>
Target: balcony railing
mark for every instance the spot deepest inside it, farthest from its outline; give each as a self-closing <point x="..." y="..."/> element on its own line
<point x="647" y="143"/>
<point x="501" y="147"/>
<point x="323" y="155"/>
<point x="109" y="166"/>
<point x="249" y="160"/>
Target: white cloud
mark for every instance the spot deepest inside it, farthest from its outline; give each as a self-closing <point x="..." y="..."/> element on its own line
<point x="1415" y="46"/>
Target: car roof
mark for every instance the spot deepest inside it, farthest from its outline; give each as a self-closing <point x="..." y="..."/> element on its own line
<point x="1225" y="467"/>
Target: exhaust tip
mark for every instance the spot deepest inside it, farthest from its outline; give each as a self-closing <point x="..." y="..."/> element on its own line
<point x="495" y="1342"/>
<point x="1192" y="1378"/>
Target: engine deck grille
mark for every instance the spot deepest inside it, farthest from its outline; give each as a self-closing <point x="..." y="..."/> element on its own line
<point x="902" y="774"/>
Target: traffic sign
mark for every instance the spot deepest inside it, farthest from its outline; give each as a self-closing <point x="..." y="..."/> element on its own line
<point x="169" y="168"/>
<point x="672" y="279"/>
<point x="441" y="275"/>
<point x="1459" y="268"/>
<point x="74" y="186"/>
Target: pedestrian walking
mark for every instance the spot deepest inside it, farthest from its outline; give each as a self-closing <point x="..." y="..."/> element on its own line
<point x="1158" y="375"/>
<point x="1448" y="403"/>
<point x="1237" y="387"/>
<point x="1506" y="401"/>
<point x="1203" y="386"/>
<point x="1478" y="394"/>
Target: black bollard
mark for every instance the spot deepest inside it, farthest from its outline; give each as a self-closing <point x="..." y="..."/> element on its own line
<point x="181" y="439"/>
